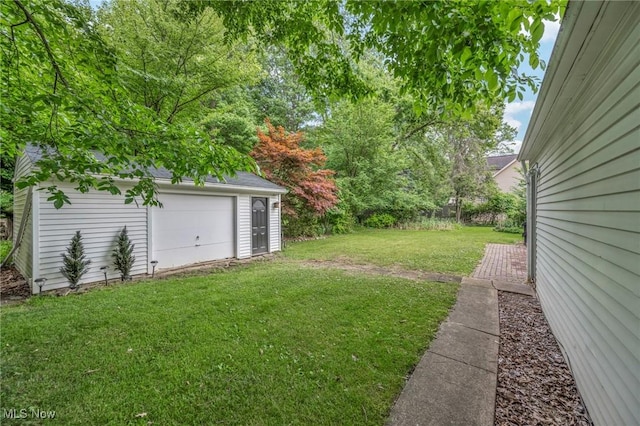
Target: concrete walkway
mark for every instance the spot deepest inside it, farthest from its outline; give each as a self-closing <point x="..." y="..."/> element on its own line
<point x="455" y="381"/>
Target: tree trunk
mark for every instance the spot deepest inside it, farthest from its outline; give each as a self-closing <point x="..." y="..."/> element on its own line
<point x="458" y="210"/>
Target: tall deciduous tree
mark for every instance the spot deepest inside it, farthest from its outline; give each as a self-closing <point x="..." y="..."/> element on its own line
<point x="279" y="94"/>
<point x="283" y="161"/>
<point x="67" y="90"/>
<point x="469" y="142"/>
<point x="173" y="63"/>
<point x="358" y="138"/>
<point x="64" y="88"/>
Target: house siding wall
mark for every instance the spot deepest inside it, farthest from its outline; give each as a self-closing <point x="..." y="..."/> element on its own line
<point x="243" y="241"/>
<point x="22" y="256"/>
<point x="588" y="228"/>
<point x="99" y="216"/>
<point x="274" y="225"/>
<point x="508" y="178"/>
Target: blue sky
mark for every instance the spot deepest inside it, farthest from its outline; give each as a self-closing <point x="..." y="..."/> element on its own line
<point x="517" y="114"/>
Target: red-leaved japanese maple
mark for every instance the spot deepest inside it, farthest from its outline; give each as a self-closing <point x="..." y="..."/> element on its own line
<point x="284" y="162"/>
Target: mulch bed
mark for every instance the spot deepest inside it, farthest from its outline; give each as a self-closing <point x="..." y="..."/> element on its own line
<point x="535" y="386"/>
<point x="12" y="285"/>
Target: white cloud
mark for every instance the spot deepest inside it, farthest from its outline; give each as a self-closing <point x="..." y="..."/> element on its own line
<point x="517" y="107"/>
<point x="513" y="122"/>
<point x="517" y="145"/>
<point x="551" y="29"/>
<point x="513" y="109"/>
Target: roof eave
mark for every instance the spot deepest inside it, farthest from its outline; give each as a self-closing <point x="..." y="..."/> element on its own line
<point x="219" y="187"/>
<point x="547" y="97"/>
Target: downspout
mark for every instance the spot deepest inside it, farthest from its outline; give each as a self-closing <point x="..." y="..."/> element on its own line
<point x="23" y="225"/>
<point x="532" y="189"/>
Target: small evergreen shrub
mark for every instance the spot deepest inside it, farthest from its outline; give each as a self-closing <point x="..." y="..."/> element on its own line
<point x="380" y="220"/>
<point x="123" y="257"/>
<point x="74" y="262"/>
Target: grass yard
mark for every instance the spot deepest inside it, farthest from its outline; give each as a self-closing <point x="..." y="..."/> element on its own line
<point x="452" y="252"/>
<point x="270" y="343"/>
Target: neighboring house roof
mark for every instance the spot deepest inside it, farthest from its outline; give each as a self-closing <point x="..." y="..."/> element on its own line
<point x="241" y="179"/>
<point x="499" y="162"/>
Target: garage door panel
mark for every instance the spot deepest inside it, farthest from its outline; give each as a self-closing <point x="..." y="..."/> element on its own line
<point x="193" y="228"/>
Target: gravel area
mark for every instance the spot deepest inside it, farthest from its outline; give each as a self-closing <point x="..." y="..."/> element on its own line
<point x="535" y="386"/>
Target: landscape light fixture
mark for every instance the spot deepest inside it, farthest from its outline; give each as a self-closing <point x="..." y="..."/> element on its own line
<point x="41" y="282"/>
<point x="104" y="271"/>
<point x="153" y="266"/>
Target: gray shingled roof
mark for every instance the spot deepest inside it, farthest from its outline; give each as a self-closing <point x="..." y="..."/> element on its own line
<point x="244" y="179"/>
<point x="499" y="162"/>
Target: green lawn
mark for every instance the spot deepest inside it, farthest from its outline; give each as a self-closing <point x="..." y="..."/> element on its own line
<point x="452" y="252"/>
<point x="270" y="343"/>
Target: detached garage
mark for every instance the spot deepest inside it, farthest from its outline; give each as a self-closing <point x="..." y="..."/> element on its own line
<point x="238" y="218"/>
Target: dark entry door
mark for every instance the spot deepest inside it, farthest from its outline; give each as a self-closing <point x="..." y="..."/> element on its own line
<point x="259" y="226"/>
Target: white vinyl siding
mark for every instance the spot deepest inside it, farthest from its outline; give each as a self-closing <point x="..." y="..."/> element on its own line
<point x="274" y="224"/>
<point x="100" y="217"/>
<point x="588" y="211"/>
<point x="243" y="209"/>
<point x="24" y="253"/>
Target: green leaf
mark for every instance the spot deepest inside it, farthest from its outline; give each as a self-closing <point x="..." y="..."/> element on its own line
<point x="465" y="55"/>
<point x="514" y="19"/>
<point x="492" y="80"/>
<point x="534" y="61"/>
<point x="537" y="30"/>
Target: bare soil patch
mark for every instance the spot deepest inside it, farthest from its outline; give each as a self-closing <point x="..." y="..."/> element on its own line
<point x="346" y="265"/>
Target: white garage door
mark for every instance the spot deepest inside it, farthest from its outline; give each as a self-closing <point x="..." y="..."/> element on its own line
<point x="192" y="228"/>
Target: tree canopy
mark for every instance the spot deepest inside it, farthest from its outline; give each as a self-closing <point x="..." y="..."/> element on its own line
<point x="139" y="82"/>
<point x="447" y="54"/>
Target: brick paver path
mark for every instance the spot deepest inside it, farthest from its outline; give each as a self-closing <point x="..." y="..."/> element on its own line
<point x="503" y="262"/>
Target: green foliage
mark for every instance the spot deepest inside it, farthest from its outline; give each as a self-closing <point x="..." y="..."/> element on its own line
<point x="123" y="258"/>
<point x="339" y="220"/>
<point x="279" y="95"/>
<point x="498" y="207"/>
<point x="74" y="262"/>
<point x="231" y="129"/>
<point x="380" y="220"/>
<point x="509" y="226"/>
<point x="304" y="224"/>
<point x="5" y="248"/>
<point x="469" y="141"/>
<point x="372" y="173"/>
<point x="80" y="87"/>
<point x="6" y="203"/>
<point x="7" y="166"/>
<point x="472" y="48"/>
